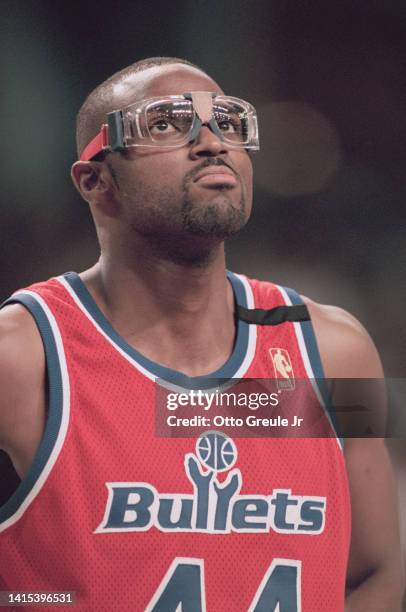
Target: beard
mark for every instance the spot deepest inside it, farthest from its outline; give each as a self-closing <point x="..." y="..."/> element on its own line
<point x="189" y="236"/>
<point x="212" y="212"/>
<point x="193" y="213"/>
<point x="218" y="216"/>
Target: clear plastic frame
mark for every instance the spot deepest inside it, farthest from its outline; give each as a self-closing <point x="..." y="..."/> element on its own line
<point x="169" y="122"/>
<point x="173" y="121"/>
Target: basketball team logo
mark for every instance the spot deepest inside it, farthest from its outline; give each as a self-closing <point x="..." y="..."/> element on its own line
<point x="210" y="504"/>
<point x="282" y="368"/>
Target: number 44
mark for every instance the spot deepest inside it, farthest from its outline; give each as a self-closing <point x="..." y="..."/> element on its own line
<point x="182" y="588"/>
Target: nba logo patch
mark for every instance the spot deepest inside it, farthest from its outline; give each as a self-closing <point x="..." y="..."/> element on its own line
<point x="283" y="369"/>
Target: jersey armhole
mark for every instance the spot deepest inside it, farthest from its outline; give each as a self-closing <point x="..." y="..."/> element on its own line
<point x="312" y="361"/>
<point x="57" y="414"/>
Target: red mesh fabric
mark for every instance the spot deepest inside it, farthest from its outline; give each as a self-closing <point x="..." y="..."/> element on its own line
<point x="54" y="547"/>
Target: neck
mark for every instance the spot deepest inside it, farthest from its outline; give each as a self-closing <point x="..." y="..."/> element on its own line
<point x="180" y="315"/>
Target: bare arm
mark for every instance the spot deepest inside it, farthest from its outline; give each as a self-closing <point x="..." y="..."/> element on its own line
<point x="375" y="580"/>
<point x="22" y="384"/>
<point x="375" y="576"/>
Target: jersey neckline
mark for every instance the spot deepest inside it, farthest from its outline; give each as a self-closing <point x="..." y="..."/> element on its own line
<point x="235" y="366"/>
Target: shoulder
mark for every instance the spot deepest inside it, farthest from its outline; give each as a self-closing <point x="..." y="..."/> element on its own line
<point x="22" y="370"/>
<point x="20" y="341"/>
<point x="346" y="348"/>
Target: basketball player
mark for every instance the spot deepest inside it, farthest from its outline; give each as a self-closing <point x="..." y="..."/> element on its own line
<point x="105" y="508"/>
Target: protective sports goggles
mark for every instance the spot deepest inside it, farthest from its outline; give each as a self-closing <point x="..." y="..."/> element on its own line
<point x="173" y="121"/>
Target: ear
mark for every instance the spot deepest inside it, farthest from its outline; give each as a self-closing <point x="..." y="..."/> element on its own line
<point x="91" y="179"/>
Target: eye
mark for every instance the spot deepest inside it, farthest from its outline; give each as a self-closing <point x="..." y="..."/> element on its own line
<point x="227" y="126"/>
<point x="230" y="122"/>
<point x="162" y="126"/>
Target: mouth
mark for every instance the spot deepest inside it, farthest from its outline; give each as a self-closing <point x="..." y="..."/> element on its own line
<point x="216" y="176"/>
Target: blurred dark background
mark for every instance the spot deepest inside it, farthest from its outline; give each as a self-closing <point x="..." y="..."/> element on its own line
<point x="328" y="80"/>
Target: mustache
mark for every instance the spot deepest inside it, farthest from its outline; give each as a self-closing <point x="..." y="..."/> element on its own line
<point x="209" y="161"/>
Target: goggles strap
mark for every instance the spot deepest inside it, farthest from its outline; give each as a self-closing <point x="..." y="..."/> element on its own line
<point x="95" y="146"/>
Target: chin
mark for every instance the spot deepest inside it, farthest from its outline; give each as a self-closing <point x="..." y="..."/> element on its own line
<point x="221" y="217"/>
<point x="213" y="223"/>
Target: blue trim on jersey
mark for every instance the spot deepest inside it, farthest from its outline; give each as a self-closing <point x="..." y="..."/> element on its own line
<point x="227" y="371"/>
<point x="315" y="361"/>
<point x="55" y="404"/>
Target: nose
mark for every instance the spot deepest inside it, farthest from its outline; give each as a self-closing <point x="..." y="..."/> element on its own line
<point x="207" y="144"/>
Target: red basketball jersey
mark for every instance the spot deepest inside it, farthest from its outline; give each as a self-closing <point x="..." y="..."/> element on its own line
<point x="133" y="521"/>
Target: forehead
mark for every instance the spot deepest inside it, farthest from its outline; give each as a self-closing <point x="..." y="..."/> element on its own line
<point x="169" y="79"/>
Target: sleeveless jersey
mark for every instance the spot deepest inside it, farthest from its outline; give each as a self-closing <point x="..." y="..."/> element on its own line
<point x="129" y="520"/>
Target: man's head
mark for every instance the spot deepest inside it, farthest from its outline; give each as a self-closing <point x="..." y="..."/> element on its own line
<point x="183" y="199"/>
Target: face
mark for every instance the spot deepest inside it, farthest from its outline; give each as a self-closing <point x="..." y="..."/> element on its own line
<point x="201" y="192"/>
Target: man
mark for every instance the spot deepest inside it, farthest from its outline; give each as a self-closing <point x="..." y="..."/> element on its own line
<point x="130" y="521"/>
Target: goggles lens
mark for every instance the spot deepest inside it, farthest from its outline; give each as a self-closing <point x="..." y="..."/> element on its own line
<point x="170" y="122"/>
<point x="166" y="122"/>
<point x="232" y="120"/>
<point x="174" y="121"/>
